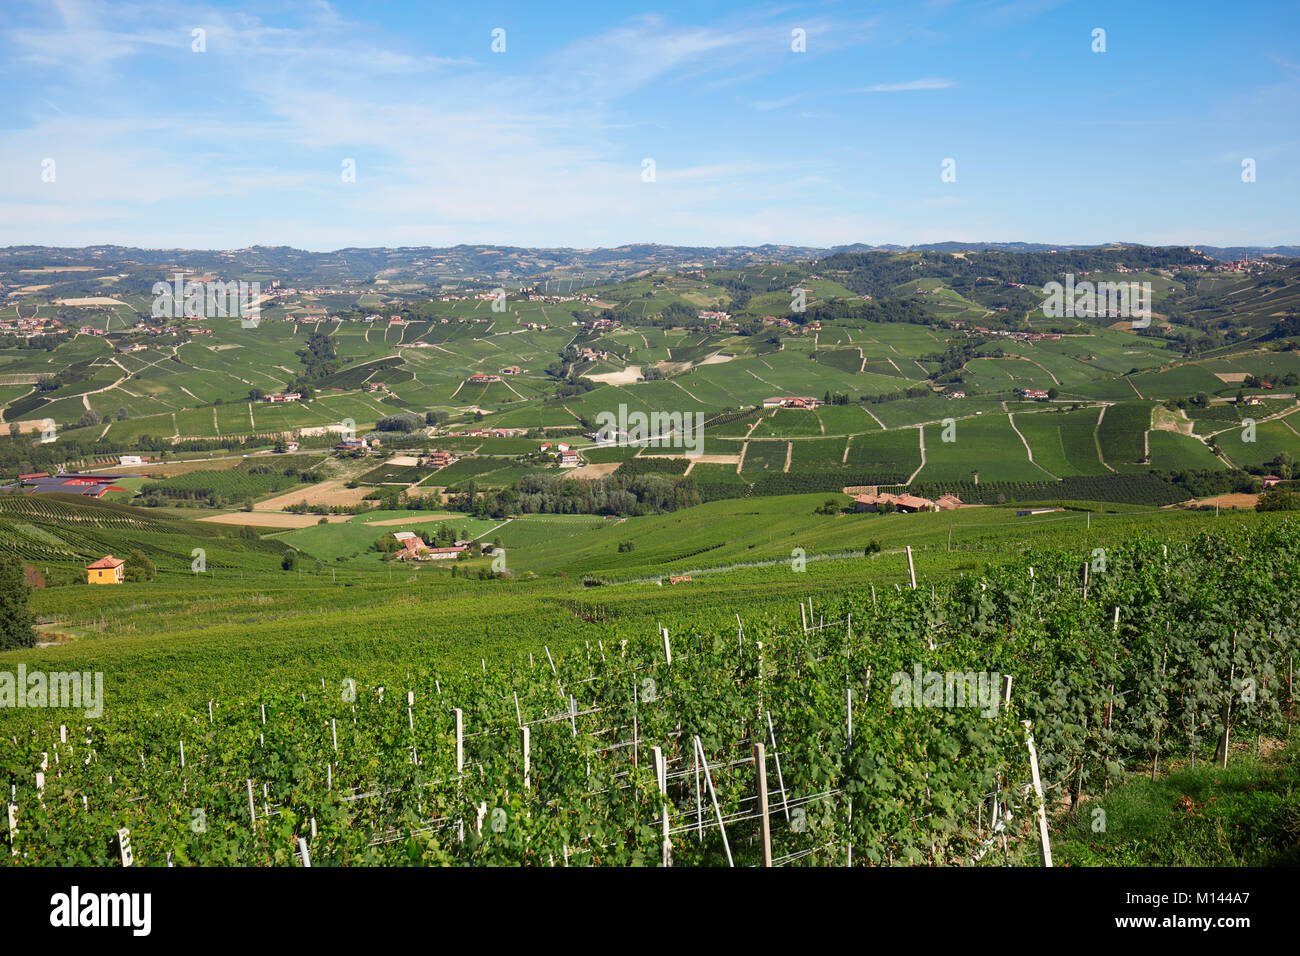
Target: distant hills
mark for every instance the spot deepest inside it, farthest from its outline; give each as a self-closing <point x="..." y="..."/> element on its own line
<point x="474" y="264"/>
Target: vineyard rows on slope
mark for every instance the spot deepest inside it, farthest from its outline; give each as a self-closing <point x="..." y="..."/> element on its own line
<point x="1146" y="655"/>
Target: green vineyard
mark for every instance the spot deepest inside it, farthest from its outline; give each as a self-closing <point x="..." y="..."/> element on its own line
<point x="890" y="733"/>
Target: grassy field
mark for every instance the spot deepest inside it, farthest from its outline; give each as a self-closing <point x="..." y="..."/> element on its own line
<point x="1243" y="815"/>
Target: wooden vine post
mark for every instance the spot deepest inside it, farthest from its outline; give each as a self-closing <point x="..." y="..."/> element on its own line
<point x="525" y="735"/>
<point x="1045" y="844"/>
<point x="661" y="777"/>
<point x="760" y="765"/>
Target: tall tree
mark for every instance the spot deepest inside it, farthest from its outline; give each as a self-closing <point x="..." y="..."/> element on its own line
<point x="16" y="618"/>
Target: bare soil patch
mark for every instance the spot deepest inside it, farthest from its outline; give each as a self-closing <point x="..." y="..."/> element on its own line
<point x="628" y="376"/>
<point x="1230" y="501"/>
<point x="595" y="471"/>
<point x="275" y="519"/>
<point x="324" y="493"/>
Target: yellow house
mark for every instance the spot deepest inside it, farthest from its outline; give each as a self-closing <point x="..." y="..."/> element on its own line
<point x="107" y="570"/>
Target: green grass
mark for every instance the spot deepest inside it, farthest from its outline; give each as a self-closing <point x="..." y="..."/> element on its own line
<point x="1245" y="815"/>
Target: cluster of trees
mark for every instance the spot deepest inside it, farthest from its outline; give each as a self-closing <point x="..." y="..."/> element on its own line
<point x="405" y="422"/>
<point x="139" y="567"/>
<point x="1205" y="484"/>
<point x="320" y="360"/>
<point x="1283" y="465"/>
<point x="44" y="343"/>
<point x="914" y="392"/>
<point x="71" y="375"/>
<point x="1289" y="379"/>
<point x="1199" y="400"/>
<point x="574" y="385"/>
<point x="553" y="494"/>
<point x="302" y="508"/>
<point x="1278" y="499"/>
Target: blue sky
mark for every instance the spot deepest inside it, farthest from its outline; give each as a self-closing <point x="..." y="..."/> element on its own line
<point x="544" y="144"/>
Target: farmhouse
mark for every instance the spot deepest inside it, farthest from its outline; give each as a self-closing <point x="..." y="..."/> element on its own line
<point x="107" y="570"/>
<point x="483" y="379"/>
<point x="905" y="503"/>
<point x="130" y="460"/>
<point x="439" y="459"/>
<point x="284" y="397"/>
<point x="568" y="459"/>
<point x="1033" y="393"/>
<point x="791" y="402"/>
<point x="413" y="546"/>
<point x="445" y="554"/>
<point x="511" y="370"/>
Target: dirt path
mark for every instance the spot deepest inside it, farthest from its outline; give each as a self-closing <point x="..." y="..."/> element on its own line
<point x="920" y="430"/>
<point x="789" y="456"/>
<point x="877" y="420"/>
<point x="1011" y="420"/>
<point x="1054" y="379"/>
<point x="741" y="463"/>
<point x="1096" y="439"/>
<point x="776" y="388"/>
